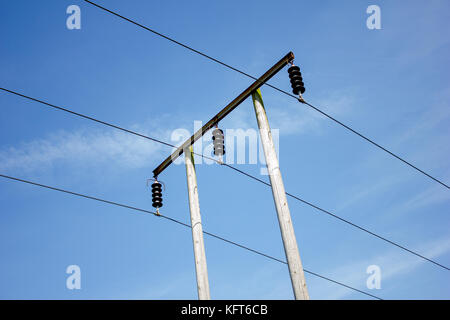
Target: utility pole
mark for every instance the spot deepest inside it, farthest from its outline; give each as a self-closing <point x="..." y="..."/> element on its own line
<point x="197" y="230"/>
<point x="279" y="196"/>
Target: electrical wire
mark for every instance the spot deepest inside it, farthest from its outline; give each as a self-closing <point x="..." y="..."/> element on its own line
<point x="273" y="87"/>
<point x="84" y="116"/>
<point x="180" y="223"/>
<point x="233" y="168"/>
<point x="342" y="219"/>
<point x="167" y="144"/>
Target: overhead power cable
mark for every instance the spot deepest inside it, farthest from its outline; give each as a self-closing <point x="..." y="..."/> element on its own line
<point x="233" y="168"/>
<point x="85" y="116"/>
<point x="180" y="223"/>
<point x="269" y="85"/>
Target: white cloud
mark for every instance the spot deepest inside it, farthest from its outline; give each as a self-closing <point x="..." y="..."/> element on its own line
<point x="82" y="147"/>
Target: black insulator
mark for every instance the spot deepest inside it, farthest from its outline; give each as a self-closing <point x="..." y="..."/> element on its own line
<point x="157" y="204"/>
<point x="218" y="142"/>
<point x="219" y="151"/>
<point x="217" y="133"/>
<point x="156" y="188"/>
<point x="298" y="89"/>
<point x="293" y="68"/>
<point x="296" y="80"/>
<point x="157" y="195"/>
<point x="298" y="83"/>
<point x="295" y="74"/>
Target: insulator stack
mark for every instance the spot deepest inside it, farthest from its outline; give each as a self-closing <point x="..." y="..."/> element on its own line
<point x="218" y="142"/>
<point x="296" y="80"/>
<point x="157" y="195"/>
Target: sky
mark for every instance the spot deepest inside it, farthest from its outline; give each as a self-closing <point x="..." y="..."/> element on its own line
<point x="390" y="84"/>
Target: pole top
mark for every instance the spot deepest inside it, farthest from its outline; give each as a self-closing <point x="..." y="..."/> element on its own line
<point x="226" y="110"/>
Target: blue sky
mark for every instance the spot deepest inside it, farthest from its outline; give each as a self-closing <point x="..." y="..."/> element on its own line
<point x="390" y="84"/>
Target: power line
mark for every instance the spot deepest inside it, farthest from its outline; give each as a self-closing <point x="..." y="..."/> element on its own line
<point x="342" y="219"/>
<point x="180" y="223"/>
<point x="100" y="121"/>
<point x="366" y="230"/>
<point x="378" y="145"/>
<point x="273" y="87"/>
<point x="233" y="168"/>
<point x="85" y="116"/>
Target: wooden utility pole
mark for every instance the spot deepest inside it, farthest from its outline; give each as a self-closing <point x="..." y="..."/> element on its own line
<point x="279" y="196"/>
<point x="284" y="217"/>
<point x="197" y="230"/>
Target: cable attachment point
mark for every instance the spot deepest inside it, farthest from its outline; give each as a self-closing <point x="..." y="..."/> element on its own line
<point x="298" y="87"/>
<point x="156" y="194"/>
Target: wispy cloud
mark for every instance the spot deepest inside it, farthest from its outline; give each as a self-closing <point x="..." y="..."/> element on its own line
<point x="429" y="130"/>
<point x="82" y="147"/>
<point x="100" y="147"/>
<point x="427" y="198"/>
<point x="291" y="117"/>
<point x="391" y="267"/>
